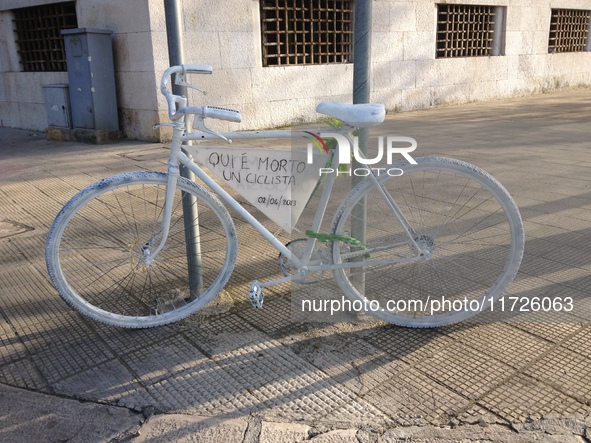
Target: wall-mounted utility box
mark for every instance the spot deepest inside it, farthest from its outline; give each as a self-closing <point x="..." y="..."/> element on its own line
<point x="91" y="76"/>
<point x="57" y="106"/>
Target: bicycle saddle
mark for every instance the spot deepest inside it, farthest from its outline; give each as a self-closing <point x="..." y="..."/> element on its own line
<point x="363" y="115"/>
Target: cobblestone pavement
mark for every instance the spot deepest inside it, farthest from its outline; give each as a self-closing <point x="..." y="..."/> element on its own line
<point x="261" y="375"/>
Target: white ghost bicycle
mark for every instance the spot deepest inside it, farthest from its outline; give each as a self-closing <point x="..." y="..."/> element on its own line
<point x="143" y="249"/>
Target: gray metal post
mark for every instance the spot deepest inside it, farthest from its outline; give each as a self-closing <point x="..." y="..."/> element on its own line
<point x="174" y="33"/>
<point x="498" y="34"/>
<point x="361" y="92"/>
<point x="362" y="51"/>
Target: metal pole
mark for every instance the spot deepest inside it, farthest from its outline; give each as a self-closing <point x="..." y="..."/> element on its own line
<point x="361" y="51"/>
<point x="497" y="44"/>
<point x="174" y="33"/>
<point x="361" y="91"/>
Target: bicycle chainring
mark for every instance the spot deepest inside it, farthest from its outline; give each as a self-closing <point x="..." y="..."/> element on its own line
<point x="320" y="255"/>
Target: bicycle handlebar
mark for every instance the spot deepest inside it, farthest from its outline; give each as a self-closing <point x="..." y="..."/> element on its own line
<point x="172" y="99"/>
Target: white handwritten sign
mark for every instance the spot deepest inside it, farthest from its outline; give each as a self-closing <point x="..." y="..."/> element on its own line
<point x="277" y="182"/>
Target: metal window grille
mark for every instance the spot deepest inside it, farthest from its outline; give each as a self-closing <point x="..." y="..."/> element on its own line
<point x="303" y="32"/>
<point x="465" y="30"/>
<point x="569" y="30"/>
<point x="38" y="35"/>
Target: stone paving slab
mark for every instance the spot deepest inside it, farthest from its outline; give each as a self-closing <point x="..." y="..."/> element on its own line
<point x="28" y="416"/>
<point x="193" y="429"/>
<point x="266" y="373"/>
<point x="493" y="433"/>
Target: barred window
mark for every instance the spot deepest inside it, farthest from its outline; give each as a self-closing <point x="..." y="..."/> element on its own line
<point x="305" y="32"/>
<point x="469" y="30"/>
<point x="569" y="30"/>
<point x="38" y="35"/>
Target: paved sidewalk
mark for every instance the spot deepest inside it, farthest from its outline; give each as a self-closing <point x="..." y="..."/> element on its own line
<point x="232" y="373"/>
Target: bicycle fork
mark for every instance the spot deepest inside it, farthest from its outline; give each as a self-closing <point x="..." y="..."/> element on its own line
<point x="148" y="250"/>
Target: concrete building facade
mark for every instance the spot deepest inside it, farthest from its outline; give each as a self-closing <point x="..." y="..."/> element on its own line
<point x="407" y="72"/>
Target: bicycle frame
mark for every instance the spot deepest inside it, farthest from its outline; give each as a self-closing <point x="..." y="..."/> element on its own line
<point x="146" y="248"/>
<point x="177" y="157"/>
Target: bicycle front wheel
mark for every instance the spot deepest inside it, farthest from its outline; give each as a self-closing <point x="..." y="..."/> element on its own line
<point x="97" y="243"/>
<point x="466" y="229"/>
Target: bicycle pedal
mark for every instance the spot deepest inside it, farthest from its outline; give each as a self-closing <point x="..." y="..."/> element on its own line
<point x="256" y="294"/>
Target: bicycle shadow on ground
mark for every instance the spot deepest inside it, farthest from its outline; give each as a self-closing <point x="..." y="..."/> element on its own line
<point x="236" y="361"/>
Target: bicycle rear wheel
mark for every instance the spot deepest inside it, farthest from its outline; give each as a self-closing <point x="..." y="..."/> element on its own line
<point x="461" y="216"/>
<point x="95" y="250"/>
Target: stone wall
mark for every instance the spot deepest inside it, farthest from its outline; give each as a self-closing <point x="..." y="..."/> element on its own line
<point x="21" y="93"/>
<point x="226" y="35"/>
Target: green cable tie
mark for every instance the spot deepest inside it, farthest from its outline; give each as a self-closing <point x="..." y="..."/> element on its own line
<point x="324" y="238"/>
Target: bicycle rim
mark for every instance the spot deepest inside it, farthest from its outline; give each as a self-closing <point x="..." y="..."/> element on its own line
<point x="461" y="216"/>
<point x="95" y="251"/>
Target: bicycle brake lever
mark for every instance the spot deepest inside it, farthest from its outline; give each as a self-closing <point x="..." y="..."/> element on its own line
<point x="199" y="123"/>
<point x="179" y="80"/>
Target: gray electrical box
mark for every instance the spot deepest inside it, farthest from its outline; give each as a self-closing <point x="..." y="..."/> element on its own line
<point x="91" y="76"/>
<point x="57" y="105"/>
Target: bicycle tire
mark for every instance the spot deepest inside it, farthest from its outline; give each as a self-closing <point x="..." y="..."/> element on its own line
<point x="466" y="220"/>
<point x="94" y="251"/>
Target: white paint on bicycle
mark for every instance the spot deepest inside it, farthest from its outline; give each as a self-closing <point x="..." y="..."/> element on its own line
<point x="277" y="182"/>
